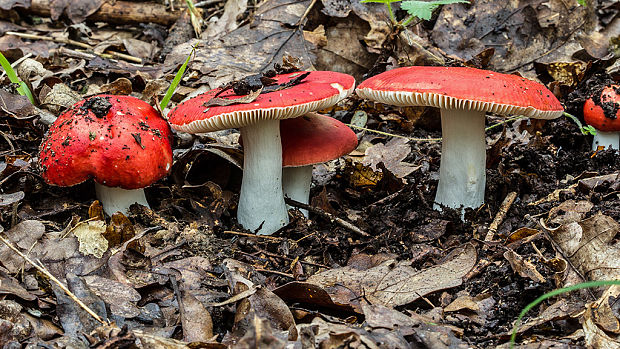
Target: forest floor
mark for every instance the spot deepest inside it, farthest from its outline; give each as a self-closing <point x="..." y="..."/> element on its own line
<point x="374" y="265"/>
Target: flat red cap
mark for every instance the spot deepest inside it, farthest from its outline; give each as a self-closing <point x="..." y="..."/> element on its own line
<point x="314" y="138"/>
<point x="120" y="141"/>
<point x="462" y="88"/>
<point x="603" y="109"/>
<point x="319" y="90"/>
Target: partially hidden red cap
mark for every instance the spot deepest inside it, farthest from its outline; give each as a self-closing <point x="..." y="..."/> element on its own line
<point x="462" y="88"/>
<point x="120" y="141"/>
<point x="314" y="138"/>
<point x="318" y="90"/>
<point x="602" y="111"/>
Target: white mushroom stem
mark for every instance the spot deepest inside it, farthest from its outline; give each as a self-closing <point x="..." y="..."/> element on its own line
<point x="261" y="202"/>
<point x="609" y="140"/>
<point x="462" y="174"/>
<point x="296" y="183"/>
<point x="118" y="200"/>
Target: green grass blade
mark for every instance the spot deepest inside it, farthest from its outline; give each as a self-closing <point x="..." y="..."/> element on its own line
<point x="175" y="82"/>
<point x="23" y="88"/>
<point x="589" y="284"/>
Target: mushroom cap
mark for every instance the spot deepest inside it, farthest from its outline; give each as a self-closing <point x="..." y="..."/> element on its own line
<point x="462" y="88"/>
<point x="314" y="138"/>
<point x="120" y="141"/>
<point x="603" y="109"/>
<point x="319" y="90"/>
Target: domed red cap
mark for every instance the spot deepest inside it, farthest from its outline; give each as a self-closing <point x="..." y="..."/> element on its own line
<point x="603" y="110"/>
<point x="120" y="141"/>
<point x="314" y="138"/>
<point x="462" y="88"/>
<point x="318" y="90"/>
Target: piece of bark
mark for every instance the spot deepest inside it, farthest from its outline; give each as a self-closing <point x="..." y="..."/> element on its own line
<point x="121" y="12"/>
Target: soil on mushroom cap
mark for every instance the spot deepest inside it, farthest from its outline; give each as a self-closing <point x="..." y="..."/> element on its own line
<point x="99" y="106"/>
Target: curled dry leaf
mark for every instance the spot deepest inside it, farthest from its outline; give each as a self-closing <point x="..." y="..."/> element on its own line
<point x="523" y="267"/>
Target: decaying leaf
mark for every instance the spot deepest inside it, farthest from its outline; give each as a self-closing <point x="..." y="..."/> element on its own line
<point x="90" y="238"/>
<point x="396" y="283"/>
<point x="196" y="320"/>
<point x="523" y="267"/>
<point x="588" y="245"/>
<point x="121" y="298"/>
<point x="392" y="155"/>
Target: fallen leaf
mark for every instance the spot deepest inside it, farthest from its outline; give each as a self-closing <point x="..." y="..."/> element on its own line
<point x="587" y="244"/>
<point x="196" y="320"/>
<point x="90" y="238"/>
<point x="121" y="298"/>
<point x="391" y="155"/>
<point x="523" y="267"/>
<point x="396" y="283"/>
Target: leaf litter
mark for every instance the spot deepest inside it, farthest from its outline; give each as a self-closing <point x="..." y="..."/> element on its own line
<point x="185" y="271"/>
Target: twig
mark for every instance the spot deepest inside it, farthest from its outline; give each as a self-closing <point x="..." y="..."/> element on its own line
<point x="270" y="254"/>
<point x="39" y="266"/>
<point x="78" y="44"/>
<point x="326" y="215"/>
<point x="268" y="237"/>
<point x="501" y="214"/>
<point x="275" y="272"/>
<point x="394" y="135"/>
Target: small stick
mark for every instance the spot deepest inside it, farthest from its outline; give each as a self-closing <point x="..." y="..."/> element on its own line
<point x="42" y="269"/>
<point x="76" y="43"/>
<point x="326" y="215"/>
<point x="286" y="258"/>
<point x="274" y="272"/>
<point x="501" y="214"/>
<point x="268" y="237"/>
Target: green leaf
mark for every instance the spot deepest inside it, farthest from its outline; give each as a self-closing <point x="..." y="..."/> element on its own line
<point x="423" y="9"/>
<point x="175" y="82"/>
<point x="588" y="130"/>
<point x="23" y="88"/>
<point x="379" y="1"/>
<point x="582" y="2"/>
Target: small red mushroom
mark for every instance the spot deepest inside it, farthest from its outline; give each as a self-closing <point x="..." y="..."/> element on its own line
<point x="307" y="140"/>
<point x="119" y="141"/>
<point x="602" y="111"/>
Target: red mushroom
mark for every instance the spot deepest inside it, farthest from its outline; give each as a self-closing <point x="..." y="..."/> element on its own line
<point x="307" y="140"/>
<point x="120" y="141"/>
<point x="602" y="111"/>
<point x="261" y="202"/>
<point x="464" y="95"/>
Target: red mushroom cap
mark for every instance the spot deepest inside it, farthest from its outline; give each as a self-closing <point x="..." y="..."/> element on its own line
<point x="314" y="138"/>
<point x="603" y="110"/>
<point x="319" y="90"/>
<point x="462" y="88"/>
<point x="120" y="141"/>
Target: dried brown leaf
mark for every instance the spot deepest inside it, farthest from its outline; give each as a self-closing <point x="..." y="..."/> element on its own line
<point x="396" y="283"/>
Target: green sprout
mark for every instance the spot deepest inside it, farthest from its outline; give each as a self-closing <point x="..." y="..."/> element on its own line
<point x="589" y="284"/>
<point x="23" y="88"/>
<point x="177" y="79"/>
<point x="585" y="130"/>
<point x="415" y="9"/>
